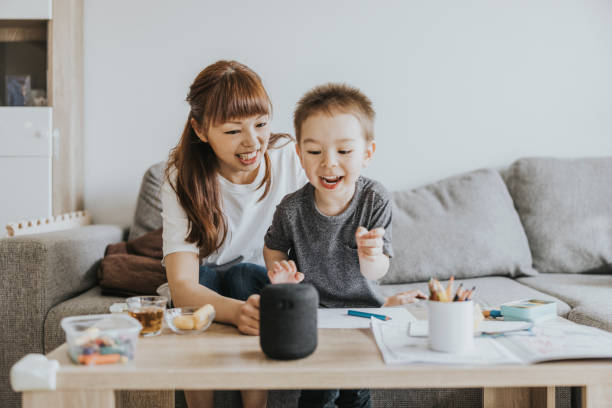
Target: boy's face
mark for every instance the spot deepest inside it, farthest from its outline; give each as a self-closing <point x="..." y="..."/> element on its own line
<point x="333" y="150"/>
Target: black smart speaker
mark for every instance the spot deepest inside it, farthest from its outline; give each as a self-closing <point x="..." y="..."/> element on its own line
<point x="288" y="320"/>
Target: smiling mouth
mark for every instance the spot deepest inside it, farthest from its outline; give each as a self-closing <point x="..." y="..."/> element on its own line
<point x="331" y="182"/>
<point x="248" y="158"/>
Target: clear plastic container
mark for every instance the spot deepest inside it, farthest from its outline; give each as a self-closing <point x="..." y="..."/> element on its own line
<point x="101" y="339"/>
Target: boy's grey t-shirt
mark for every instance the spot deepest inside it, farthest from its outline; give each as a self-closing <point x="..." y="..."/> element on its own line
<point x="324" y="247"/>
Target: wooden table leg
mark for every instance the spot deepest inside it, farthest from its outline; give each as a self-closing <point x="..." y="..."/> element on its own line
<point x="543" y="397"/>
<point x="596" y="396"/>
<point x="518" y="397"/>
<point x="69" y="399"/>
<point x="144" y="399"/>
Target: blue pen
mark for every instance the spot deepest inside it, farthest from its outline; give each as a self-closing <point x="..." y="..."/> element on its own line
<point x="368" y="315"/>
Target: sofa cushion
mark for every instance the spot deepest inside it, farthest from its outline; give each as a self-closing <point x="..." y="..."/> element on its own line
<point x="90" y="302"/>
<point x="490" y="292"/>
<point x="565" y="206"/>
<point x="464" y="226"/>
<point x="147" y="216"/>
<point x="600" y="317"/>
<point x="575" y="289"/>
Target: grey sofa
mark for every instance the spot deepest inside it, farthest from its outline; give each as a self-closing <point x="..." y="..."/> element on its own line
<point x="541" y="228"/>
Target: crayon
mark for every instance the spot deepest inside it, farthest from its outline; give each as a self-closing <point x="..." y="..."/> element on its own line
<point x="367" y="315"/>
<point x="458" y="293"/>
<point x="449" y="288"/>
<point x="97" y="358"/>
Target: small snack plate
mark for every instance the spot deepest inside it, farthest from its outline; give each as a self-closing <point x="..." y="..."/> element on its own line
<point x="190" y="320"/>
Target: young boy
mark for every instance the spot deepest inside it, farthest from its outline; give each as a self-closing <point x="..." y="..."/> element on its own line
<point x="335" y="232"/>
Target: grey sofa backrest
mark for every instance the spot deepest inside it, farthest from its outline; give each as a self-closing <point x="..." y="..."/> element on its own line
<point x="556" y="211"/>
<point x="463" y="226"/>
<point x="147" y="216"/>
<point x="565" y="206"/>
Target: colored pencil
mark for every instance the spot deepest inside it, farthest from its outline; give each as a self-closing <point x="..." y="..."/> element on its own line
<point x="367" y="315"/>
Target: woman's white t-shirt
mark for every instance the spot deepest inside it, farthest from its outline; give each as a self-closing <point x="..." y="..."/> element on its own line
<point x="247" y="219"/>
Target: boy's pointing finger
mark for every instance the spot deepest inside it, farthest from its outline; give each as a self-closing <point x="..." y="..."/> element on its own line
<point x="361" y="231"/>
<point x="373" y="234"/>
<point x="377" y="232"/>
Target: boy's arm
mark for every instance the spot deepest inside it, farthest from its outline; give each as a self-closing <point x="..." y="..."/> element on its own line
<point x="280" y="270"/>
<point x="373" y="263"/>
<point x="272" y="255"/>
<point x="374" y="246"/>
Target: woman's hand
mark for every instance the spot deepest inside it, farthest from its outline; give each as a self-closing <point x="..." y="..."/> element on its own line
<point x="285" y="272"/>
<point x="247" y="319"/>
<point x="402" y="298"/>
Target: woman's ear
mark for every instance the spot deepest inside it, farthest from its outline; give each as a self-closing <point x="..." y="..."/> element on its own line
<point x="198" y="130"/>
<point x="368" y="153"/>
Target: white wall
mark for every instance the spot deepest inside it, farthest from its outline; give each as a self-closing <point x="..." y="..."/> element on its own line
<point x="457" y="85"/>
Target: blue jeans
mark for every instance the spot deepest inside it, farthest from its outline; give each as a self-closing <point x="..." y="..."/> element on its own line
<point x="331" y="398"/>
<point x="238" y="282"/>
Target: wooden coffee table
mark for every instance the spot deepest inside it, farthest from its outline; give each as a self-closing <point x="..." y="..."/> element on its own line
<point x="223" y="359"/>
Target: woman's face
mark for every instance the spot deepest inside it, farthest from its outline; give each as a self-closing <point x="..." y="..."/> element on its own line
<point x="239" y="145"/>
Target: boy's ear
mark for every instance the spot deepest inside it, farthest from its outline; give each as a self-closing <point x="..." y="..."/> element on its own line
<point x="299" y="153"/>
<point x="198" y="131"/>
<point x="369" y="152"/>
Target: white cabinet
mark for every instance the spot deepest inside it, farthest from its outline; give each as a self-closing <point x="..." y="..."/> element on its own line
<point x="25" y="131"/>
<point x="41" y="44"/>
<point x="25" y="163"/>
<point x="26" y="188"/>
<point x="25" y="9"/>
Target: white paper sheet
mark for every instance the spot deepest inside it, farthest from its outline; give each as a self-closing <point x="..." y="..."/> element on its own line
<point x="560" y="339"/>
<point x="339" y="318"/>
<point x="397" y="347"/>
<point x="557" y="339"/>
<point x="420" y="328"/>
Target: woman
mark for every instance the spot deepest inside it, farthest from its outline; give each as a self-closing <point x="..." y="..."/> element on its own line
<point x="223" y="182"/>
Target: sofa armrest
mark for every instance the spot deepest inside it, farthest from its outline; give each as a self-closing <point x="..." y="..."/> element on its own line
<point x="39" y="271"/>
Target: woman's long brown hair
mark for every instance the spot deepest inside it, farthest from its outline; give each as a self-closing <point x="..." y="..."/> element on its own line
<point x="223" y="91"/>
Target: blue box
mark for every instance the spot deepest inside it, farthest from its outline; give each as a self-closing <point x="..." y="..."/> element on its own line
<point x="531" y="310"/>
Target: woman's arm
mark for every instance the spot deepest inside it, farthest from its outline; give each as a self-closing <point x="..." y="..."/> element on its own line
<point x="182" y="270"/>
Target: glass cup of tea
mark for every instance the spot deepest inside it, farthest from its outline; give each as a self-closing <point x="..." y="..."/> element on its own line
<point x="149" y="311"/>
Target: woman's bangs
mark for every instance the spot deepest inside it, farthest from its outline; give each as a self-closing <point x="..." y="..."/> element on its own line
<point x="239" y="100"/>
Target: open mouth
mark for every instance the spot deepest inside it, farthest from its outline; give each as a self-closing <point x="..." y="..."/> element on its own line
<point x="331" y="182"/>
<point x="248" y="158"/>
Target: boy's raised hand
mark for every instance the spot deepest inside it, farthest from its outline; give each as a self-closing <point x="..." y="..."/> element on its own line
<point x="285" y="272"/>
<point x="369" y="243"/>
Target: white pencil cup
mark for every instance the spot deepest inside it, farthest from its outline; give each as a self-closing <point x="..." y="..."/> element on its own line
<point x="451" y="326"/>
